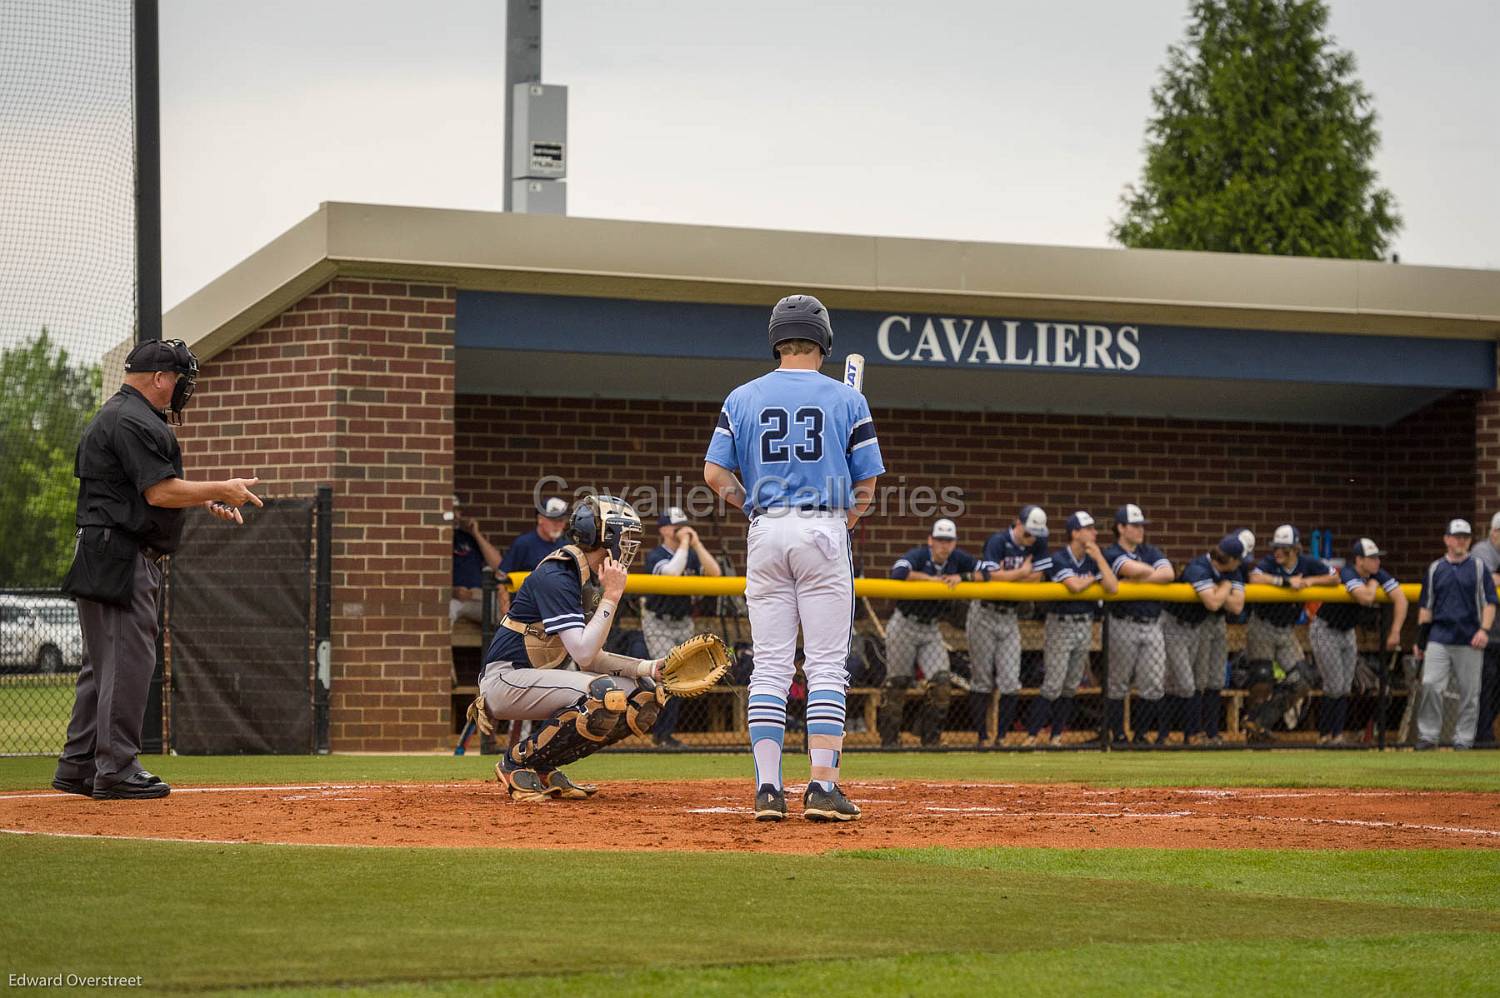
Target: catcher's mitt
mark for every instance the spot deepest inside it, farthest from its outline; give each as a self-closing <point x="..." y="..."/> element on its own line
<point x="693" y="667"/>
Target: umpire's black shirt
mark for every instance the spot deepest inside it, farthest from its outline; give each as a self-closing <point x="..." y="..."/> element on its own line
<point x="127" y="448"/>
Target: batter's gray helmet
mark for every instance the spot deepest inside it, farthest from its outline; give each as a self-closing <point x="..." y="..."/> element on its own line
<point x="801" y="317"/>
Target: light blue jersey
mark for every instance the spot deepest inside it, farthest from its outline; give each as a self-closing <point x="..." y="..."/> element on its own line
<point x="797" y="438"/>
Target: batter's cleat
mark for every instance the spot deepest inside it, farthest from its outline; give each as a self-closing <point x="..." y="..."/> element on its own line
<point x="559" y="786"/>
<point x="521" y="784"/>
<point x="827" y="805"/>
<point x="770" y="803"/>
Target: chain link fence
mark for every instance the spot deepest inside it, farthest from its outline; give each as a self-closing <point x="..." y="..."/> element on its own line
<point x="41" y="650"/>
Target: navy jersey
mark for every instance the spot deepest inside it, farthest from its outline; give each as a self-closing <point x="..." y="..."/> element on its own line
<point x="1456" y="593"/>
<point x="1002" y="552"/>
<point x="468" y="560"/>
<point x="797" y="438"/>
<point x="1286" y="614"/>
<point x="919" y="559"/>
<point x="551" y="594"/>
<point x="1145" y="553"/>
<point x="1203" y="575"/>
<point x="527" y="551"/>
<point x="1343" y="616"/>
<point x="1062" y="565"/>
<point x="671" y="606"/>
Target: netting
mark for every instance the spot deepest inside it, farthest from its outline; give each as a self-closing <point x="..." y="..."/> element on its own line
<point x="67" y="256"/>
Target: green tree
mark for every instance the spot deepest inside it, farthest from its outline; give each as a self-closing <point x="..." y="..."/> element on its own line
<point x="1260" y="141"/>
<point x="45" y="402"/>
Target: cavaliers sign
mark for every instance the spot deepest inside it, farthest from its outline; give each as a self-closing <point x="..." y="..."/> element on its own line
<point x="1008" y="343"/>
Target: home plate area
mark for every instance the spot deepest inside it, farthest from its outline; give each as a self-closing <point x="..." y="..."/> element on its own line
<point x="714" y="815"/>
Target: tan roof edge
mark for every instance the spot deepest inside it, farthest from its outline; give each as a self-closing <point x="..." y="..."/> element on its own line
<point x="568" y="255"/>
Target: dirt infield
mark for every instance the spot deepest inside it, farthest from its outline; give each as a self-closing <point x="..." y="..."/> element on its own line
<point x="715" y="815"/>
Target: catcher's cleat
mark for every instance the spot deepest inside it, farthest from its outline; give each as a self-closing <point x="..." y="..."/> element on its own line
<point x="827" y="805"/>
<point x="521" y="784"/>
<point x="559" y="786"/>
<point x="770" y="803"/>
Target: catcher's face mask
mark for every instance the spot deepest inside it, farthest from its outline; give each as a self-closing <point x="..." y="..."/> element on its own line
<point x="606" y="522"/>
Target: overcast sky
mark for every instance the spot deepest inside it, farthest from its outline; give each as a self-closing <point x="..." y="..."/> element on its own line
<point x="996" y="121"/>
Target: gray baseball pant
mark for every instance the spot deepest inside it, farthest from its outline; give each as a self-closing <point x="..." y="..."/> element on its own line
<point x="1463" y="664"/>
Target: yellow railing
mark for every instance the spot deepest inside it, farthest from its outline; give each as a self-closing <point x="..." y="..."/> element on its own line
<point x="1177" y="592"/>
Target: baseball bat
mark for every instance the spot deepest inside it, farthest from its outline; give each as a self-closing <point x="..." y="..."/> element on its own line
<point x="854" y="371"/>
<point x="463" y="742"/>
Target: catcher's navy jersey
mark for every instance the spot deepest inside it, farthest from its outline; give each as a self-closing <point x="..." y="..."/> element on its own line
<point x="919" y="559"/>
<point x="797" y="438"/>
<point x="550" y="594"/>
<point x="1285" y="614"/>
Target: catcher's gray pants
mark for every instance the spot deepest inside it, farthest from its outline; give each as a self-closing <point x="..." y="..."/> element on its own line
<point x="662" y="634"/>
<point x="513" y="694"/>
<point x="1265" y="642"/>
<point x="1065" y="652"/>
<point x="909" y="643"/>
<point x="1195" y="654"/>
<point x="994" y="648"/>
<point x="1136" y="653"/>
<point x="1337" y="654"/>
<point x="109" y="703"/>
<point x="1464" y="664"/>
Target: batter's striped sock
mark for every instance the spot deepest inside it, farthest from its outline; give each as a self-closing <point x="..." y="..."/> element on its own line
<point x="767" y="717"/>
<point x="825" y="734"/>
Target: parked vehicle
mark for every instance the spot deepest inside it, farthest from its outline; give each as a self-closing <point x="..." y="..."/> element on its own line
<point x="39" y="634"/>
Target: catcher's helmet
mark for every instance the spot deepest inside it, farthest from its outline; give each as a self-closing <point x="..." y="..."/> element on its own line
<point x="606" y="522"/>
<point x="801" y="317"/>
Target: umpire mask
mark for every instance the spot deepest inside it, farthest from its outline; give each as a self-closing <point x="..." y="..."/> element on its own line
<point x="167" y="355"/>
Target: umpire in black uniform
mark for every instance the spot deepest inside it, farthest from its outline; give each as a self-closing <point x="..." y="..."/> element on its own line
<point x="131" y="495"/>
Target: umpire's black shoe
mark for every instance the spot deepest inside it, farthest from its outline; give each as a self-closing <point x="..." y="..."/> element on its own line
<point x="83" y="788"/>
<point x="827" y="805"/>
<point x="770" y="803"/>
<point x="136" y="786"/>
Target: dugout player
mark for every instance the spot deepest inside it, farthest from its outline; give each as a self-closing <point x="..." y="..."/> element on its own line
<point x="1457" y="610"/>
<point x="1070" y="626"/>
<point x="912" y="636"/>
<point x="667" y="621"/>
<point x="1270" y="637"/>
<point x="805" y="446"/>
<point x="1016" y="554"/>
<point x="131" y="495"/>
<point x="1136" y="652"/>
<point x="472" y="551"/>
<point x="564" y="610"/>
<point x="1196" y="637"/>
<point x="1488" y="553"/>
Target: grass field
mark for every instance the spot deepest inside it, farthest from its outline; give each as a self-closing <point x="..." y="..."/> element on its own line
<point x="34" y="712"/>
<point x="315" y="920"/>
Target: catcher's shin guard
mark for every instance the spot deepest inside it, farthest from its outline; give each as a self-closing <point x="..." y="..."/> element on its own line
<point x="892" y="705"/>
<point x="934" y="710"/>
<point x="604" y="716"/>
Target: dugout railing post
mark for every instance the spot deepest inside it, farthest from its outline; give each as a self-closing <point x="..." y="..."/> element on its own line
<point x="323" y="617"/>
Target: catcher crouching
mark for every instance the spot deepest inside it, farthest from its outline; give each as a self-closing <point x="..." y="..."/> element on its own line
<point x="563" y="611"/>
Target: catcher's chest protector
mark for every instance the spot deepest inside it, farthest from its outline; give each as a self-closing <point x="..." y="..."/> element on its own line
<point x="546" y="651"/>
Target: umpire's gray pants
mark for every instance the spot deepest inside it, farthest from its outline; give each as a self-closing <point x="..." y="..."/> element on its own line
<point x="1463" y="664"/>
<point x="109" y="703"/>
<point x="994" y="648"/>
<point x="1065" y="653"/>
<point x="1337" y="655"/>
<point x="909" y="643"/>
<point x="1136" y="654"/>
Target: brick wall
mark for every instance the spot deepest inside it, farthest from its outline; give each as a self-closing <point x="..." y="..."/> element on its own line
<point x="1196" y="480"/>
<point x="353" y="386"/>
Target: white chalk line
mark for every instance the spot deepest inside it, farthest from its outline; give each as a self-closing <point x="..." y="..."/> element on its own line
<point x="53" y="794"/>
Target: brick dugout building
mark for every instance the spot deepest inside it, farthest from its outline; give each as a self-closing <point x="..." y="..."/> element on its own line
<point x="404" y="355"/>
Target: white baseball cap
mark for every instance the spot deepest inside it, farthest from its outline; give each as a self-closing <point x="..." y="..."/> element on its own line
<point x="1286" y="536"/>
<point x="1495" y="522"/>
<point x="553" y="509"/>
<point x="674" y="516"/>
<point x="1034" y="521"/>
<point x="1079" y="520"/>
<point x="1130" y="513"/>
<point x="944" y="530"/>
<point x="1366" y="548"/>
<point x="1460" y="528"/>
<point x="1247" y="541"/>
